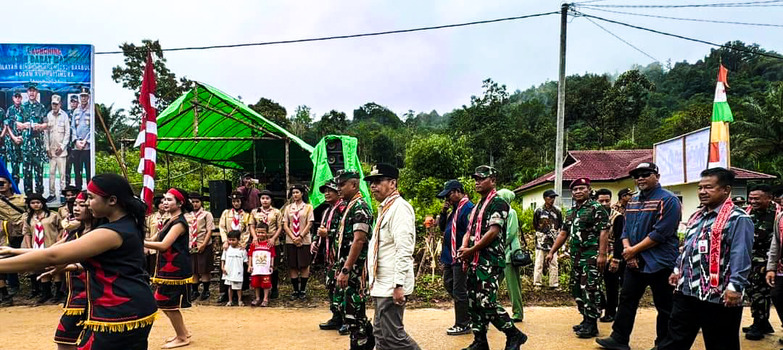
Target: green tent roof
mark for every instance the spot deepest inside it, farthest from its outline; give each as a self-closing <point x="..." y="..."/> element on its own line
<point x="210" y="126"/>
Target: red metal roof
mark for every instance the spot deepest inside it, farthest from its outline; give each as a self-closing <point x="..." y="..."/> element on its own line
<point x="613" y="165"/>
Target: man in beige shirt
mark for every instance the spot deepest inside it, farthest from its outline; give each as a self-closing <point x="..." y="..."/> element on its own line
<point x="56" y="138"/>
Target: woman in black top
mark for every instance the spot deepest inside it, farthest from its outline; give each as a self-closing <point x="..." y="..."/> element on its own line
<point x="120" y="306"/>
<point x="174" y="269"/>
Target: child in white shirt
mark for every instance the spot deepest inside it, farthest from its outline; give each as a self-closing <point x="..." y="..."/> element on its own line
<point x="232" y="262"/>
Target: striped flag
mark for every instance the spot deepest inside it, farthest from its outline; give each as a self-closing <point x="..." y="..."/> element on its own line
<point x="719" y="128"/>
<point x="147" y="141"/>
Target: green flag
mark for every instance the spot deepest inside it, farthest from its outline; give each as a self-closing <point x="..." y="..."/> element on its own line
<point x="322" y="173"/>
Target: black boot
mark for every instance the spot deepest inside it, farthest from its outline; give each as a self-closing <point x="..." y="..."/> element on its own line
<point x="479" y="342"/>
<point x="35" y="286"/>
<point x="577" y="327"/>
<point x="514" y="339"/>
<point x="205" y="293"/>
<point x="344" y="330"/>
<point x="589" y="330"/>
<point x="302" y="288"/>
<point x="758" y="329"/>
<point x="295" y="285"/>
<point x="46" y="293"/>
<point x="334" y="323"/>
<point x="194" y="293"/>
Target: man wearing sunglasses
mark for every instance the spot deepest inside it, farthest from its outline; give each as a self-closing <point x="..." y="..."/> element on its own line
<point x="650" y="248"/>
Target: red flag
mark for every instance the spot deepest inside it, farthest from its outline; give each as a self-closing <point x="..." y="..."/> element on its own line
<point x="723" y="75"/>
<point x="148" y="135"/>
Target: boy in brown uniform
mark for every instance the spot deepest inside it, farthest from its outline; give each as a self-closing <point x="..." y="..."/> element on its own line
<point x="201" y="223"/>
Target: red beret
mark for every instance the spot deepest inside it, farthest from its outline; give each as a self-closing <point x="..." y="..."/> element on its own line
<point x="582" y="181"/>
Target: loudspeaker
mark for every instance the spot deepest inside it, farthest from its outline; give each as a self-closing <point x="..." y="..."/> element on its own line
<point x="334" y="155"/>
<point x="218" y="196"/>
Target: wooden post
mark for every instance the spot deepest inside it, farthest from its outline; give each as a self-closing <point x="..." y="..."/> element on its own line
<point x="111" y="142"/>
<point x="287" y="168"/>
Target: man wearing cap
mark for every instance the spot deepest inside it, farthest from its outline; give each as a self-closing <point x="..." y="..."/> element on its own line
<point x="586" y="224"/>
<point x="650" y="248"/>
<point x="390" y="259"/>
<point x="56" y="138"/>
<point x="483" y="253"/>
<point x="34" y="148"/>
<point x="349" y="268"/>
<point x="739" y="201"/>
<point x="201" y="223"/>
<point x="80" y="125"/>
<point x="13" y="138"/>
<point x="547" y="221"/>
<point x="454" y="224"/>
<point x="615" y="267"/>
<point x="250" y="193"/>
<point x="327" y="232"/>
<point x="273" y="218"/>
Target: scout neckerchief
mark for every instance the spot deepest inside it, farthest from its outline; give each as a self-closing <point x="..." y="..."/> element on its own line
<point x="341" y="228"/>
<point x="160" y="222"/>
<point x="716" y="236"/>
<point x="236" y="219"/>
<point x="477" y="230"/>
<point x="454" y="219"/>
<point x="385" y="206"/>
<point x="326" y="221"/>
<point x="265" y="214"/>
<point x="294" y="213"/>
<point x="39" y="237"/>
<point x="197" y="216"/>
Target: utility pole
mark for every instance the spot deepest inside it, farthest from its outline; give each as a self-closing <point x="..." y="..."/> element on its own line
<point x="561" y="105"/>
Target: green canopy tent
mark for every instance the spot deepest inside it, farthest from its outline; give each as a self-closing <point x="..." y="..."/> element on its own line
<point x="208" y="125"/>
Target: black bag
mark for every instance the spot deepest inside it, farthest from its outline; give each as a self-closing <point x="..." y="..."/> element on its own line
<point x="521" y="257"/>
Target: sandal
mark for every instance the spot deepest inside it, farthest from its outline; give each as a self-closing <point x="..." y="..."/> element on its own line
<point x="264" y="303"/>
<point x="255" y="302"/>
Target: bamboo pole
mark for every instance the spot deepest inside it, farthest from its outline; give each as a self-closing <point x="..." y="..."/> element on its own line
<point x="111" y="142"/>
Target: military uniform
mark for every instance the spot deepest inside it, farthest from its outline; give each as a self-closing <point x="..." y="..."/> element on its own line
<point x="33" y="146"/>
<point x="331" y="221"/>
<point x="758" y="290"/>
<point x="352" y="298"/>
<point x="13" y="152"/>
<point x="583" y="225"/>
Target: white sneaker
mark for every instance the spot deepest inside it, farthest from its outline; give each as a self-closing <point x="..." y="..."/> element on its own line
<point x="241" y="303"/>
<point x="229" y="304"/>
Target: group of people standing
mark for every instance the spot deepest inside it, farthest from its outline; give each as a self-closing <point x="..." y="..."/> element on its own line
<point x="32" y="134"/>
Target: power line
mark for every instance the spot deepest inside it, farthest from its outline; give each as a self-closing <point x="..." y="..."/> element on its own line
<point x="623" y="40"/>
<point x="349" y="36"/>
<point x="690" y="19"/>
<point x="683" y="37"/>
<point x="766" y="3"/>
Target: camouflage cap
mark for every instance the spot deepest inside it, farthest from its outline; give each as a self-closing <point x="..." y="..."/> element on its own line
<point x="484" y="171"/>
<point x="329" y="185"/>
<point x="582" y="181"/>
<point x="343" y="175"/>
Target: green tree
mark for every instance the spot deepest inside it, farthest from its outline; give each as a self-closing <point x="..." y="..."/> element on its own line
<point x="332" y="123"/>
<point x="759" y="138"/>
<point x="373" y="112"/>
<point x="271" y="110"/>
<point x="484" y="122"/>
<point x="117" y="122"/>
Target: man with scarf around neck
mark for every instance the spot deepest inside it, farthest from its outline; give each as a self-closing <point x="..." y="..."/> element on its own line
<point x="483" y="254"/>
<point x="762" y="211"/>
<point x="586" y="224"/>
<point x="390" y="259"/>
<point x="351" y="255"/>
<point x="201" y="225"/>
<point x="650" y="247"/>
<point x="327" y="232"/>
<point x="454" y="224"/>
<point x="273" y="218"/>
<point x="711" y="273"/>
<point x="234" y="218"/>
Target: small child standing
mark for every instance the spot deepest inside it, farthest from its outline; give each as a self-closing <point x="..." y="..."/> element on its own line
<point x="261" y="265"/>
<point x="232" y="262"/>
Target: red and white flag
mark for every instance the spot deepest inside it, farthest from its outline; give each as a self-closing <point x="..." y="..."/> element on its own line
<point x="147" y="141"/>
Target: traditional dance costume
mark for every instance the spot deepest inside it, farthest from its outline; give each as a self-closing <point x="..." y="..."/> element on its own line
<point x="174" y="269"/>
<point x="70" y="326"/>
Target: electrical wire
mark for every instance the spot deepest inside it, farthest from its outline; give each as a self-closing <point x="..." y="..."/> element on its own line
<point x="623" y="40"/>
<point x="349" y="36"/>
<point x="690" y="19"/>
<point x="682" y="37"/>
<point x="766" y="3"/>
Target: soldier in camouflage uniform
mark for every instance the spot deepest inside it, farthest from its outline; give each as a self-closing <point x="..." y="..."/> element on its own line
<point x="33" y="126"/>
<point x="762" y="211"/>
<point x="586" y="224"/>
<point x="327" y="233"/>
<point x="13" y="139"/>
<point x="353" y="235"/>
<point x="483" y="254"/>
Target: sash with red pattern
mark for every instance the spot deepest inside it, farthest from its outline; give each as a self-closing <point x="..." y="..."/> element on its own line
<point x="480" y="218"/>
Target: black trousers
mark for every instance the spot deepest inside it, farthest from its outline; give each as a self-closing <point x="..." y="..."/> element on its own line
<point x="69" y="165"/>
<point x="455" y="282"/>
<point x="777" y="296"/>
<point x="719" y="325"/>
<point x="81" y="161"/>
<point x="634" y="285"/>
<point x="613" y="281"/>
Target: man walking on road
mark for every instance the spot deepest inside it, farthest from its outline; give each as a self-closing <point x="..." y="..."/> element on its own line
<point x="547" y="221"/>
<point x="649" y="248"/>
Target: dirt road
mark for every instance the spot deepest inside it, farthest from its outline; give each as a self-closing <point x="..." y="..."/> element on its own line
<point x="216" y="327"/>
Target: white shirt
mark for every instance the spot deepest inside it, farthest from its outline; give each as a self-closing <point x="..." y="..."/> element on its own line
<point x="234" y="259"/>
<point x="397" y="235"/>
<point x="262" y="262"/>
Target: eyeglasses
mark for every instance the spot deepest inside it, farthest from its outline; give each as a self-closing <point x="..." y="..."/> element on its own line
<point x="642" y="175"/>
<point x="2" y="183"/>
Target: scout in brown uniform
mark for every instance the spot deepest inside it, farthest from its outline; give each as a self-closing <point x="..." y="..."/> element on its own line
<point x="152" y="224"/>
<point x="41" y="230"/>
<point x="273" y="218"/>
<point x="201" y="224"/>
<point x="297" y="219"/>
<point x="234" y="218"/>
<point x="12" y="205"/>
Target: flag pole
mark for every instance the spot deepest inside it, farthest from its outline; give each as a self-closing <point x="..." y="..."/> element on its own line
<point x="111" y="142"/>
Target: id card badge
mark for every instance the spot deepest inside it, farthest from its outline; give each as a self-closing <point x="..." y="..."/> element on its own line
<point x="703" y="246"/>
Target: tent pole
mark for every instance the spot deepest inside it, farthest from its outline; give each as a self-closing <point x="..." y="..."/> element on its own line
<point x="255" y="168"/>
<point x="287" y="172"/>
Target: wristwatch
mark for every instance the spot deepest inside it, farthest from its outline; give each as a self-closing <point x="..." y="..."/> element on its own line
<point x="345" y="271"/>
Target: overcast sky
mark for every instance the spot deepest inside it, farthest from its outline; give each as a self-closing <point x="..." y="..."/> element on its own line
<point x="420" y="71"/>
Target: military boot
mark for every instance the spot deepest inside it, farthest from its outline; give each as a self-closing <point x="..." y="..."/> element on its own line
<point x="589" y="330"/>
<point x="479" y="342"/>
<point x="514" y="339"/>
<point x="579" y="326"/>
